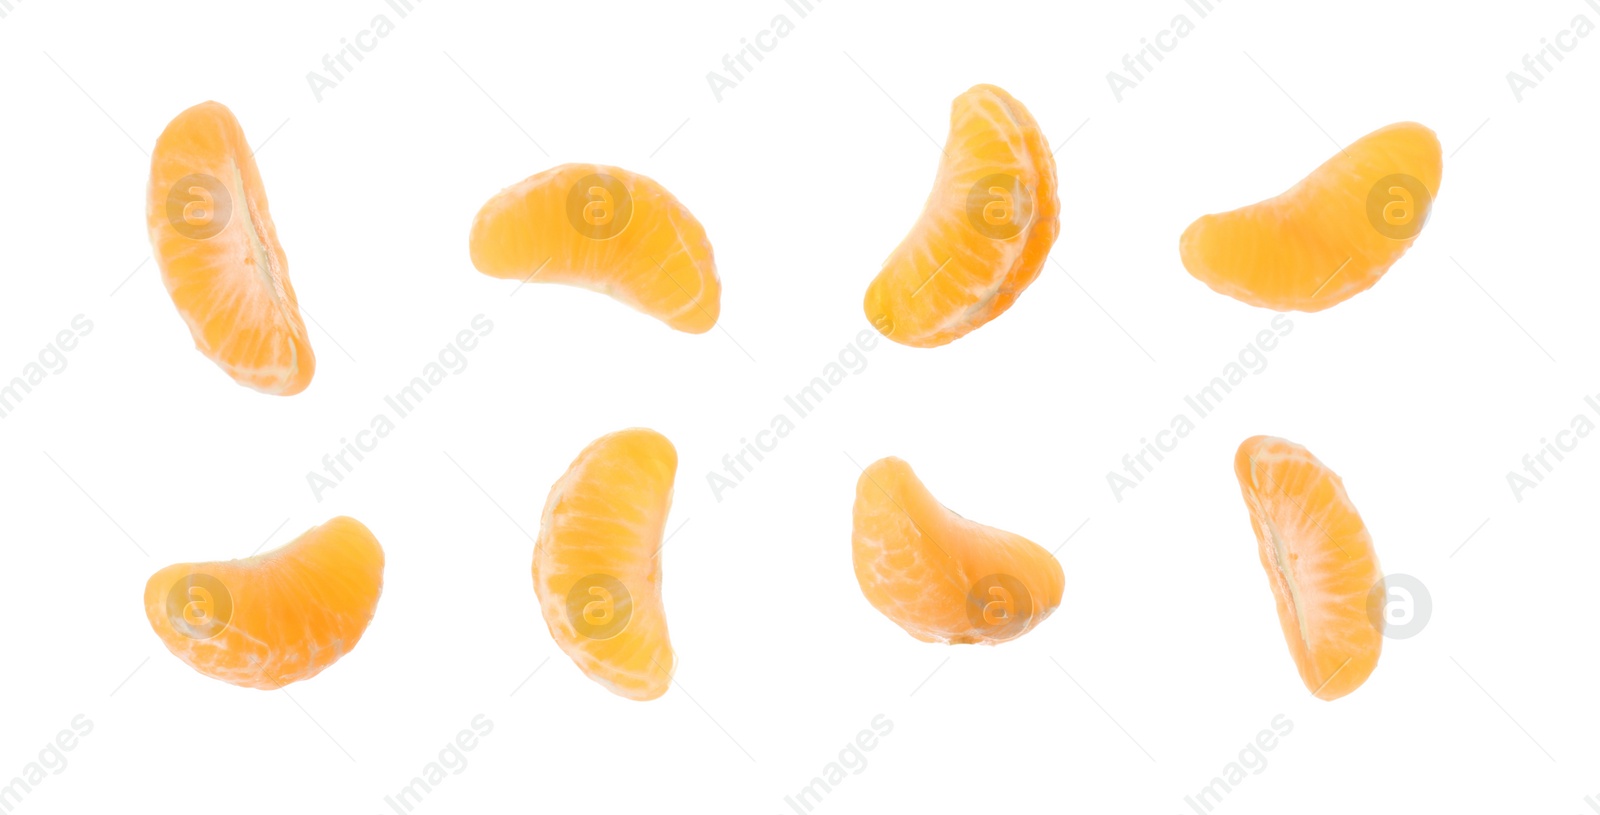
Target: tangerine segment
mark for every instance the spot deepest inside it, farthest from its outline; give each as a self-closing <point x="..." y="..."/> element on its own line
<point x="984" y="232"/>
<point x="213" y="238"/>
<point x="608" y="230"/>
<point x="940" y="576"/>
<point x="282" y="617"/>
<point x="597" y="562"/>
<point x="1319" y="562"/>
<point x="1329" y="237"/>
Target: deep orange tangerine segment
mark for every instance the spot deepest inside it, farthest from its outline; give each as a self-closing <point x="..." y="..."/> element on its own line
<point x="277" y="618"/>
<point x="940" y="576"/>
<point x="1329" y="237"/>
<point x="219" y="254"/>
<point x="984" y="232"/>
<point x="605" y="229"/>
<point x="597" y="562"/>
<point x="1319" y="561"/>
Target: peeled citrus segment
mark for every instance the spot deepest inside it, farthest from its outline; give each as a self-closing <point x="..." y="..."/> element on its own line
<point x="1329" y="237"/>
<point x="940" y="576"/>
<point x="219" y="255"/>
<point x="983" y="234"/>
<point x="282" y="617"/>
<point x="1319" y="562"/>
<point x="597" y="562"/>
<point x="604" y="229"/>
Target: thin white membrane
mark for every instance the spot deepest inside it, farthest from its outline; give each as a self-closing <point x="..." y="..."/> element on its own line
<point x="1012" y="136"/>
<point x="1281" y="560"/>
<point x="268" y="276"/>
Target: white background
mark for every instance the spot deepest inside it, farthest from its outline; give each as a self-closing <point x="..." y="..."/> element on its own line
<point x="1165" y="658"/>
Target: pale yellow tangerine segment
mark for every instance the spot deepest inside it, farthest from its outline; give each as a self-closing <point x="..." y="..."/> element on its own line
<point x="946" y="278"/>
<point x="1316" y="244"/>
<point x="281" y="617"/>
<point x="232" y="287"/>
<point x="658" y="261"/>
<point x="920" y="563"/>
<point x="606" y="516"/>
<point x="1319" y="559"/>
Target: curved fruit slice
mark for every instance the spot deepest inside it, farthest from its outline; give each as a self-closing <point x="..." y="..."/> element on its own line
<point x="219" y="255"/>
<point x="1329" y="237"/>
<point x="606" y="229"/>
<point x="984" y="232"/>
<point x="940" y="576"/>
<point x="597" y="562"/>
<point x="1319" y="561"/>
<point x="282" y="617"/>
